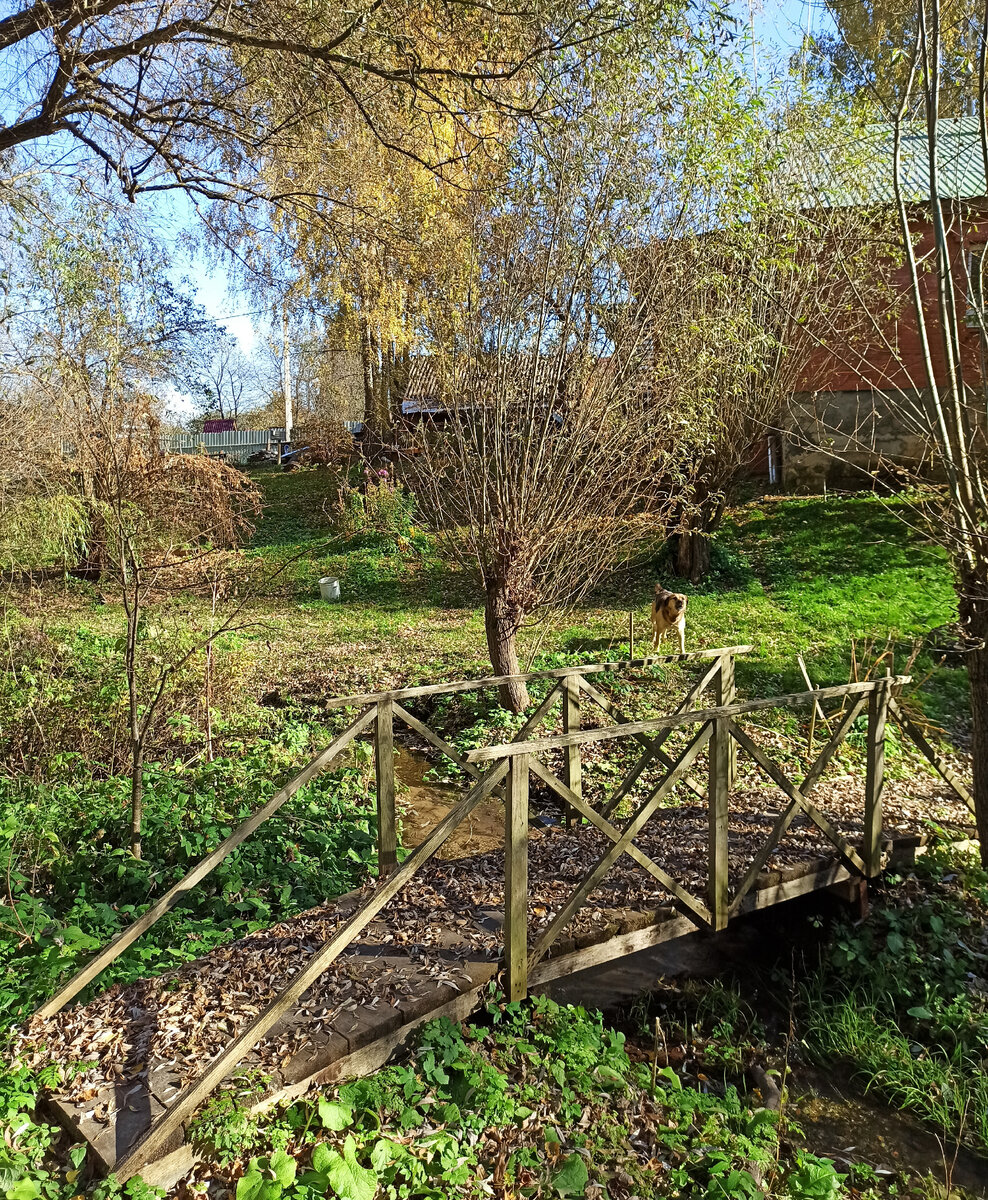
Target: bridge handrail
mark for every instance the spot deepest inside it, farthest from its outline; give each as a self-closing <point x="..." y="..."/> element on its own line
<point x="510" y="766"/>
<point x="491" y="681"/>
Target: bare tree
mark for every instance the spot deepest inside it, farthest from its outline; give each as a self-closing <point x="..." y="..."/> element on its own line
<point x="555" y="459"/>
<point x="229" y="381"/>
<point x="730" y="324"/>
<point x="929" y="366"/>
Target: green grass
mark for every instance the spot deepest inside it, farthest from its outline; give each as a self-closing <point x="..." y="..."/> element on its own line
<point x="902" y="1000"/>
<point x="791" y="576"/>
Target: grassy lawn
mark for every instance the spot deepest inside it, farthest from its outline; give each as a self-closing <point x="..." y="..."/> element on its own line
<point x="792" y="576"/>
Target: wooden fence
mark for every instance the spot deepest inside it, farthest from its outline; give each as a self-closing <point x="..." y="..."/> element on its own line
<point x="507" y="770"/>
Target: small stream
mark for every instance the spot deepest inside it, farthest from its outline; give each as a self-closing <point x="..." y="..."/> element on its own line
<point x="839" y="1121"/>
<point x="423" y="804"/>
<point x="842" y="1124"/>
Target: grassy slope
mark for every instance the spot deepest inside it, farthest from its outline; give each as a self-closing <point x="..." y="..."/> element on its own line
<point x="792" y="576"/>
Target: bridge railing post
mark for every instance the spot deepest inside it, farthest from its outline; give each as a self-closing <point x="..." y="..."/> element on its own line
<point x="726" y="694"/>
<point x="878" y="708"/>
<point x="718" y="791"/>
<point x="573" y="765"/>
<point x="384" y="773"/>
<point x="516" y="879"/>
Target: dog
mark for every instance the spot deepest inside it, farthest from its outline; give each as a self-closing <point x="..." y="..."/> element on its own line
<point x="668" y="612"/>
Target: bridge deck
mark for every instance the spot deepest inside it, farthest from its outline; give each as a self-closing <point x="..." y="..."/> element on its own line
<point x="431" y="951"/>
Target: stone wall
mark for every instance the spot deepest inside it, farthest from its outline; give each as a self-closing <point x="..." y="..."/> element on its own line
<point x="847" y="439"/>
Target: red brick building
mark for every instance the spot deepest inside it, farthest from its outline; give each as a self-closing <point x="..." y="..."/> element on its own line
<point x="854" y="414"/>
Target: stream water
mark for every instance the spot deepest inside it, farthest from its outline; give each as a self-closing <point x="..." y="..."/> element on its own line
<point x="842" y="1124"/>
<point x="839" y="1121"/>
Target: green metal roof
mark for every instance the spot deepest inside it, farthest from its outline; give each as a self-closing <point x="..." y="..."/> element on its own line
<point x="864" y="172"/>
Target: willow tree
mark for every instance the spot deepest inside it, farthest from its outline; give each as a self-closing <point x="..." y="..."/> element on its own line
<point x="84" y="364"/>
<point x="558" y="455"/>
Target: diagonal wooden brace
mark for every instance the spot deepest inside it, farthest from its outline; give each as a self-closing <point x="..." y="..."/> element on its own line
<point x="631" y="830"/>
<point x="653" y="746"/>
<point x="844" y="848"/>
<point x="909" y="726"/>
<point x="194" y="1093"/>
<point x="696" y="908"/>
<point x="199" y="872"/>
<point x="781" y="826"/>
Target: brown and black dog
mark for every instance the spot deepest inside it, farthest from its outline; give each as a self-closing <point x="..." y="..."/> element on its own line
<point x="668" y="612"/>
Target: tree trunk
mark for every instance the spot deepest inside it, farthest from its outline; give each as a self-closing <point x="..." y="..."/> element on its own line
<point x="692" y="547"/>
<point x="692" y="555"/>
<point x="974" y="623"/>
<point x="136" y="795"/>
<point x="501" y="621"/>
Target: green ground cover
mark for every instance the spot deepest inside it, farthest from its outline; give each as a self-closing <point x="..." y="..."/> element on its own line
<point x="791" y="576"/>
<point x="902" y="1000"/>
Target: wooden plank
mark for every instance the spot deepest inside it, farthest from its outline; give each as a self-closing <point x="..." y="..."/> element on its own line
<point x="611" y="831"/>
<point x="790" y="889"/>
<point x="875" y="781"/>
<point x="516" y="881"/>
<point x="434" y="739"/>
<point x="809" y="683"/>
<point x="719" y="790"/>
<point x="616" y="947"/>
<point x="610" y="856"/>
<point x="674" y="721"/>
<point x="817" y="817"/>
<point x="757" y="865"/>
<point x="490" y="681"/>
<point x="950" y="777"/>
<point x="781" y="826"/>
<point x="453" y="754"/>
<point x="165" y="1172"/>
<point x="196" y="1092"/>
<point x="384" y="773"/>
<point x="653" y="746"/>
<point x="572" y="764"/>
<point x="830" y="749"/>
<point x="199" y="872"/>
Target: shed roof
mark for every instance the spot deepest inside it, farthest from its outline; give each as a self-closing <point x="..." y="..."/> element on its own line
<point x="865" y="176"/>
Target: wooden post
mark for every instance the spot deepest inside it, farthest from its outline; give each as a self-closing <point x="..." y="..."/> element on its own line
<point x="516" y="879"/>
<point x="631" y="634"/>
<point x="718" y="790"/>
<point x="384" y="767"/>
<point x="726" y="695"/>
<point x="573" y="769"/>
<point x="878" y="707"/>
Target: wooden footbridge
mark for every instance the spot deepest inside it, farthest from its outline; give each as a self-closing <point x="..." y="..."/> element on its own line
<point x="332" y="992"/>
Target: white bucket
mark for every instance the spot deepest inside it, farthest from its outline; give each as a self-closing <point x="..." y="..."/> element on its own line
<point x="329" y="588"/>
